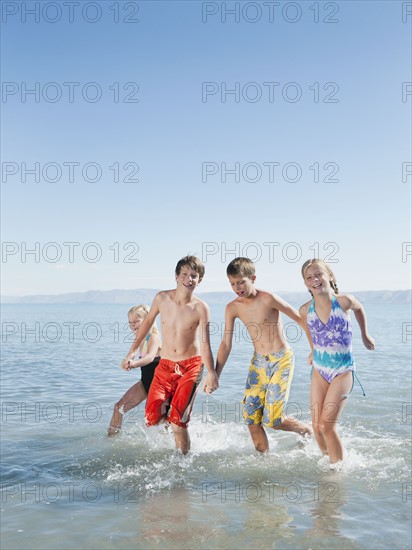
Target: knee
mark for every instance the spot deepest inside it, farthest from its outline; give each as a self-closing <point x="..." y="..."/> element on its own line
<point x="326" y="428"/>
<point x="317" y="428"/>
<point x="261" y="447"/>
<point x="283" y="423"/>
<point x="177" y="429"/>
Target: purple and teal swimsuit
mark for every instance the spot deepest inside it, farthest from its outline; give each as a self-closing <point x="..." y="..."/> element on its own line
<point x="332" y="342"/>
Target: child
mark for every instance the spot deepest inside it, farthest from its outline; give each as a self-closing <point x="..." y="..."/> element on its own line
<point x="272" y="365"/>
<point x="184" y="318"/>
<point x="328" y="321"/>
<point x="149" y="351"/>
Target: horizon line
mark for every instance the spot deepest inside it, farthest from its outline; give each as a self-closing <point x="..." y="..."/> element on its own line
<point x="160" y="290"/>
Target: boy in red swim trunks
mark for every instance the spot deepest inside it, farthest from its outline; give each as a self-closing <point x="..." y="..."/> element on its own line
<point x="184" y="318"/>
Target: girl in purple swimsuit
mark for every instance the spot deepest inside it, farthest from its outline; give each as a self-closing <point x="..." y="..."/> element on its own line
<point x="333" y="366"/>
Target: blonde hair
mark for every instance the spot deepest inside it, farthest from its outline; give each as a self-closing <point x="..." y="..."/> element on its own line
<point x="324" y="266"/>
<point x="241" y="266"/>
<point x="141" y="311"/>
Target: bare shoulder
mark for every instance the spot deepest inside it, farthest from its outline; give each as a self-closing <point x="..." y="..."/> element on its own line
<point x="274" y="296"/>
<point x="163" y="299"/>
<point x="201" y="307"/>
<point x="269" y="298"/>
<point x="347" y="302"/>
<point x="231" y="308"/>
<point x="164" y="295"/>
<point x="303" y="310"/>
<point x="200" y="303"/>
<point x="276" y="300"/>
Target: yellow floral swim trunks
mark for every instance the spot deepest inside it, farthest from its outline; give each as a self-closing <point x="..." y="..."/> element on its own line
<point x="267" y="388"/>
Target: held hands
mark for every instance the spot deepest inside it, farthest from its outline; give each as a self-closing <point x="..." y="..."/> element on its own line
<point x="211" y="383"/>
<point x="127" y="363"/>
<point x="368" y="342"/>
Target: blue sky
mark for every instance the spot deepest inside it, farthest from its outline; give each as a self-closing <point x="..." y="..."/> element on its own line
<point x="336" y="110"/>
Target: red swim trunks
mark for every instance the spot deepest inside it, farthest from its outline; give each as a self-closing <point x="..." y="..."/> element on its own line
<point x="174" y="384"/>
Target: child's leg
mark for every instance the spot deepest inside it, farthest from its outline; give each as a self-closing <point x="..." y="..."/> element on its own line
<point x="187" y="378"/>
<point x="277" y="395"/>
<point x="159" y="395"/>
<point x="133" y="397"/>
<point x="333" y="405"/>
<point x="259" y="437"/>
<point x="293" y="425"/>
<point x="253" y="402"/>
<point x="182" y="438"/>
<point x="318" y="390"/>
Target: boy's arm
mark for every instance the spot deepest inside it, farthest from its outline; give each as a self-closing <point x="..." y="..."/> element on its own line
<point x="287" y="309"/>
<point x="291" y="312"/>
<point x="152" y="349"/>
<point x="303" y="312"/>
<point x="211" y="382"/>
<point x="142" y="333"/>
<point x="360" y="316"/>
<point x="226" y="344"/>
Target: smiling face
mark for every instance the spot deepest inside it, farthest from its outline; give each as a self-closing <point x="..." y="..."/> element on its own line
<point x="317" y="279"/>
<point x="134" y="321"/>
<point x="187" y="278"/>
<point x="242" y="286"/>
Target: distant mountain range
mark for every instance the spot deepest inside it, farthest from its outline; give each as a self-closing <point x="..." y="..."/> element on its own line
<point x="145" y="295"/>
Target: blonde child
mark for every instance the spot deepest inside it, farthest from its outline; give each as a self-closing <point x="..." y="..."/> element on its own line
<point x="149" y="351"/>
<point x="333" y="366"/>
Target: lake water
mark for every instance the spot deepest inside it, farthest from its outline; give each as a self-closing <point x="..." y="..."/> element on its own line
<point x="65" y="484"/>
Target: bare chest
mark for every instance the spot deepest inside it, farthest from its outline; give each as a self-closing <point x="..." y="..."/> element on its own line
<point x="256" y="314"/>
<point x="180" y="319"/>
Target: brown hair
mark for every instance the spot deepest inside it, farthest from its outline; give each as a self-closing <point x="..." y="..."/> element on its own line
<point x="324" y="266"/>
<point x="241" y="266"/>
<point x="192" y="262"/>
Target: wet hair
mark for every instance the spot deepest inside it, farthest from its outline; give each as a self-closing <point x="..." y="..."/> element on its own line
<point x="141" y="311"/>
<point x="241" y="266"/>
<point x="192" y="262"/>
<point x="324" y="266"/>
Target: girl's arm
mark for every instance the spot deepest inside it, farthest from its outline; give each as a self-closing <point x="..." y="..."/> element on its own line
<point x="360" y="317"/>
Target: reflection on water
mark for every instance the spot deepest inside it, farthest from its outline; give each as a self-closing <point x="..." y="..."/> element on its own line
<point x="327" y="516"/>
<point x="136" y="491"/>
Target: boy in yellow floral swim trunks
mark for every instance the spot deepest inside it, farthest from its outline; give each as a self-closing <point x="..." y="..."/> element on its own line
<point x="271" y="370"/>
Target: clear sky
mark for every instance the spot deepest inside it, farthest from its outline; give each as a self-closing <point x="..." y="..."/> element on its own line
<point x="143" y="131"/>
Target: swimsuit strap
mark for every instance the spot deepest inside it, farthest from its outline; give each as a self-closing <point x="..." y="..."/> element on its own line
<point x="336" y="304"/>
<point x="312" y="306"/>
<point x="360" y="384"/>
<point x="353" y="382"/>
